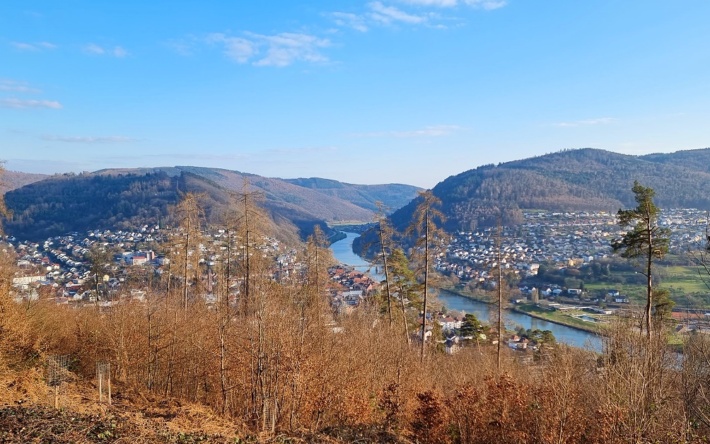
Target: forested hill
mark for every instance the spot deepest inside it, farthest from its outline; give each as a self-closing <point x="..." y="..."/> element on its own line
<point x="393" y="196"/>
<point x="10" y="180"/>
<point x="66" y="203"/>
<point x="571" y="180"/>
<point x="124" y="198"/>
<point x="327" y="199"/>
<point x="693" y="159"/>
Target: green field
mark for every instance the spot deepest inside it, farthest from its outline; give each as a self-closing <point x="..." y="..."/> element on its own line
<point x="686" y="284"/>
<point x="565" y="318"/>
<point x="686" y="279"/>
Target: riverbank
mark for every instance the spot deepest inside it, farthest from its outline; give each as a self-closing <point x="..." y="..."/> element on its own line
<point x="468" y="295"/>
<point x="481" y="306"/>
<point x="543" y="315"/>
<point x="557" y="318"/>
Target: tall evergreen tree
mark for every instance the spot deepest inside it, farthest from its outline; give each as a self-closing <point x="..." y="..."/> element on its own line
<point x="403" y="285"/>
<point x="645" y="240"/>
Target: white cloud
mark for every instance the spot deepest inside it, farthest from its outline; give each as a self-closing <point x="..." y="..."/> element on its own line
<point x="349" y="20"/>
<point x="301" y="151"/>
<point x="271" y="50"/>
<point x="388" y="14"/>
<point x="38" y="46"/>
<point x="119" y="52"/>
<point x="479" y="4"/>
<point x="116" y="51"/>
<point x="88" y="139"/>
<point x="379" y="13"/>
<point x="438" y="3"/>
<point x="488" y="5"/>
<point x="586" y="122"/>
<point x="92" y="48"/>
<point x="236" y="48"/>
<point x="21" y="87"/>
<point x="426" y="132"/>
<point x="286" y="48"/>
<point x="28" y="104"/>
<point x="183" y="47"/>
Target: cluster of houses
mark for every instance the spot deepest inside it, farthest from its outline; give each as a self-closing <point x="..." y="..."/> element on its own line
<point x="561" y="239"/>
<point x="350" y="287"/>
<point x="60" y="266"/>
<point x="451" y="324"/>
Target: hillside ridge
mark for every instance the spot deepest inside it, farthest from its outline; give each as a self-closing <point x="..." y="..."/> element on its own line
<point x="122" y="198"/>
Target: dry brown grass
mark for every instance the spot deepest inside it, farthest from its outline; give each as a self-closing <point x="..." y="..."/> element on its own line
<point x="225" y="372"/>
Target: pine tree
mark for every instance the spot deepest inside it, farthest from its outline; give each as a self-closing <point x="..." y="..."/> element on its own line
<point x="402" y="282"/>
<point x="646" y="239"/>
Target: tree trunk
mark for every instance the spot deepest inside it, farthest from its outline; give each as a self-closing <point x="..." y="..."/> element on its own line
<point x="426" y="283"/>
<point x="649" y="282"/>
<point x="387" y="279"/>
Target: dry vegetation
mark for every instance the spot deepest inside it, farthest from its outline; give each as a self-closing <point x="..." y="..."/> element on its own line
<point x="275" y="364"/>
<point x="275" y="368"/>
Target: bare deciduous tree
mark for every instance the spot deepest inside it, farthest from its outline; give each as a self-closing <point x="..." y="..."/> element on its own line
<point x="429" y="240"/>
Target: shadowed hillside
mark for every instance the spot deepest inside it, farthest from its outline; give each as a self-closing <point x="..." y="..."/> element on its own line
<point x="14" y="179"/>
<point x="394" y="196"/>
<point x="575" y="180"/>
<point x="324" y="199"/>
<point x="572" y="180"/>
<point x="125" y="198"/>
<point x="62" y="204"/>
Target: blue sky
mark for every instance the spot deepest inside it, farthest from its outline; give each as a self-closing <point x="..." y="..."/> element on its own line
<point x="408" y="91"/>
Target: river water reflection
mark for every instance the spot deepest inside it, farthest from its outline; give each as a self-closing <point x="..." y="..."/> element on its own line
<point x="342" y="250"/>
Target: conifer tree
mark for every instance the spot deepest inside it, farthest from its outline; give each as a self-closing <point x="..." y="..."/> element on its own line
<point x="401" y="279"/>
<point x="646" y="239"/>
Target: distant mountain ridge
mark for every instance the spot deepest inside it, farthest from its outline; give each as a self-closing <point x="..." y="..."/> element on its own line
<point x="11" y="180"/>
<point x="393" y="196"/>
<point x="572" y="180"/>
<point x="119" y="198"/>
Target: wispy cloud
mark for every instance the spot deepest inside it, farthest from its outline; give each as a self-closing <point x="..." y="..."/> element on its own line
<point x="238" y="49"/>
<point x="29" y="104"/>
<point x="116" y="51"/>
<point x="277" y="50"/>
<point x="14" y="86"/>
<point x="119" y="52"/>
<point x="286" y="48"/>
<point x="389" y="14"/>
<point x="426" y="132"/>
<point x="479" y="4"/>
<point x="350" y="20"/>
<point x="33" y="47"/>
<point x="488" y="5"/>
<point x="437" y="3"/>
<point x="301" y="151"/>
<point x="379" y="13"/>
<point x="586" y="122"/>
<point x="88" y="139"/>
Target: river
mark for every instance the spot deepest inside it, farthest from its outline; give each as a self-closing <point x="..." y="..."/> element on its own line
<point x="343" y="252"/>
